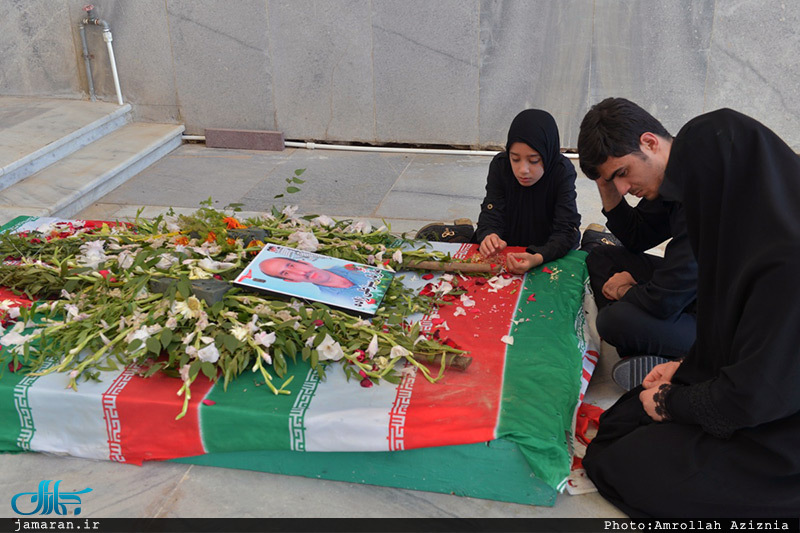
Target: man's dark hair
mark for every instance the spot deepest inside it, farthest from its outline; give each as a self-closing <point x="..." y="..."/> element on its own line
<point x="612" y="128"/>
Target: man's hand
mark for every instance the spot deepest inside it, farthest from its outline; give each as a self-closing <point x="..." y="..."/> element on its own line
<point x="660" y="374"/>
<point x="609" y="194"/>
<point x="491" y="245"/>
<point x="519" y="263"/>
<point x="617" y="285"/>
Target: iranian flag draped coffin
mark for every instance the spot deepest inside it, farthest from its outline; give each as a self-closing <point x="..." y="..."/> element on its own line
<point x="532" y="357"/>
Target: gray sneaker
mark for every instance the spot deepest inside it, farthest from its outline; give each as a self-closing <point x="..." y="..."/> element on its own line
<point x="631" y="371"/>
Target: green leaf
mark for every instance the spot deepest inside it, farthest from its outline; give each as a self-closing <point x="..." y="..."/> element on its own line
<point x="134" y="345"/>
<point x="278" y="196"/>
<point x="314" y="359"/>
<point x="306" y="353"/>
<point x="230" y="342"/>
<point x="298" y="180"/>
<point x="299" y="171"/>
<point x="184" y="288"/>
<point x="166" y="337"/>
<point x="292" y="190"/>
<point x="153" y="345"/>
<point x="209" y="369"/>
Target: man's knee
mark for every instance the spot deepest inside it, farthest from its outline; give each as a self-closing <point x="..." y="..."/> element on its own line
<point x="614" y="322"/>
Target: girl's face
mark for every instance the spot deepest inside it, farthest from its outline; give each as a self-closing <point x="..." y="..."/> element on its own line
<point x="526" y="163"/>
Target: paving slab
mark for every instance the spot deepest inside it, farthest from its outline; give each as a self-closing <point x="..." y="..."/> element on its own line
<point x="336" y="183"/>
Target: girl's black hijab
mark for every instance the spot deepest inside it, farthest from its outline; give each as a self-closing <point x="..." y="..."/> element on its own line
<point x="739" y="184"/>
<point x="530" y="211"/>
<point x="537" y="129"/>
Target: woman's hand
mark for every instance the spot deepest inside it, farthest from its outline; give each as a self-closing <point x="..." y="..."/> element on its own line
<point x="660" y="374"/>
<point x="519" y="263"/>
<point x="491" y="245"/>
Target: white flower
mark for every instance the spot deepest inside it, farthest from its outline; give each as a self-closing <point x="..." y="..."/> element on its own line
<point x="13" y="338"/>
<point x="419" y="339"/>
<point x="266" y="357"/>
<point x="284" y="315"/>
<point x="92" y="254"/>
<point x="443" y="287"/>
<point x="305" y="240"/>
<point x="362" y="323"/>
<point x="214" y="266"/>
<point x="171" y="223"/>
<point x="310" y="341"/>
<point x="142" y="334"/>
<point x="290" y="211"/>
<point x="12" y="308"/>
<point x="190" y="308"/>
<point x="166" y="262"/>
<point x="125" y="259"/>
<point x="209" y="354"/>
<point x="398" y="256"/>
<point x="324" y="221"/>
<point x="459" y="311"/>
<point x="264" y="339"/>
<point x="172" y="323"/>
<point x="399" y="351"/>
<point x="184" y="372"/>
<point x="362" y="226"/>
<point x="329" y="349"/>
<point x="372" y="349"/>
<point x="508" y="339"/>
<point x="466" y="301"/>
<point x="241" y="332"/>
<point x="498" y="282"/>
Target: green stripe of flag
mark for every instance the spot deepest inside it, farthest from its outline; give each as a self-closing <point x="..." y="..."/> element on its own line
<point x="542" y="376"/>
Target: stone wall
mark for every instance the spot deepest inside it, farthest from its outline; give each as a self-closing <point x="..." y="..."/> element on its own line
<point x="450" y="72"/>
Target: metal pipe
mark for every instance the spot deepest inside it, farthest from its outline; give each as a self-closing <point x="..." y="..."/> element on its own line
<point x="88" y="63"/>
<point x="431" y="151"/>
<point x="91" y="19"/>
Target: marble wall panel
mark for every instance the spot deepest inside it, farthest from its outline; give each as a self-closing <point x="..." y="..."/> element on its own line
<point x="533" y="54"/>
<point x="425" y="60"/>
<point x="38" y="54"/>
<point x="143" y="55"/>
<point x="222" y="64"/>
<point x="654" y="53"/>
<point x="322" y="69"/>
<point x="754" y="66"/>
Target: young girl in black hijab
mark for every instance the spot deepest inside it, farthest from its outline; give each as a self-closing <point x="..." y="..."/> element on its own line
<point x="530" y="196"/>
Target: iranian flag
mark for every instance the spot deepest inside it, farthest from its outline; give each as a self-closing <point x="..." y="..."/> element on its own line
<point x="532" y="357"/>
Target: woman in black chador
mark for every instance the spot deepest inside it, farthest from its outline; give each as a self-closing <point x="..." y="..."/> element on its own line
<point x="718" y="435"/>
<point x="530" y="196"/>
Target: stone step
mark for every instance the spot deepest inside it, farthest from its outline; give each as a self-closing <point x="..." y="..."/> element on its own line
<point x="35" y="133"/>
<point x="68" y="186"/>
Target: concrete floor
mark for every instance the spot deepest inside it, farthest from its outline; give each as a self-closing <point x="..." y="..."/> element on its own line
<point x="406" y="191"/>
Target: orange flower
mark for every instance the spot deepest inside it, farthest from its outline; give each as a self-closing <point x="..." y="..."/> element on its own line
<point x="212" y="237"/>
<point x="231" y="242"/>
<point x="255" y="244"/>
<point x="233" y="223"/>
<point x="184" y="240"/>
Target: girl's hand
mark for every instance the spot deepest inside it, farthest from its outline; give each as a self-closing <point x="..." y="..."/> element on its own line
<point x="491" y="245"/>
<point x="519" y="263"/>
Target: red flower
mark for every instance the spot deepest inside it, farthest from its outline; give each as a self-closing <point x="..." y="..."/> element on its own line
<point x="107" y="275"/>
<point x="366" y="383"/>
<point x="547" y="270"/>
<point x="350" y="266"/>
<point x="480" y="281"/>
<point x="362" y="373"/>
<point x="209" y="402"/>
<point x="318" y="322"/>
<point x="12" y="368"/>
<point x="427" y="276"/>
<point x="532" y="297"/>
